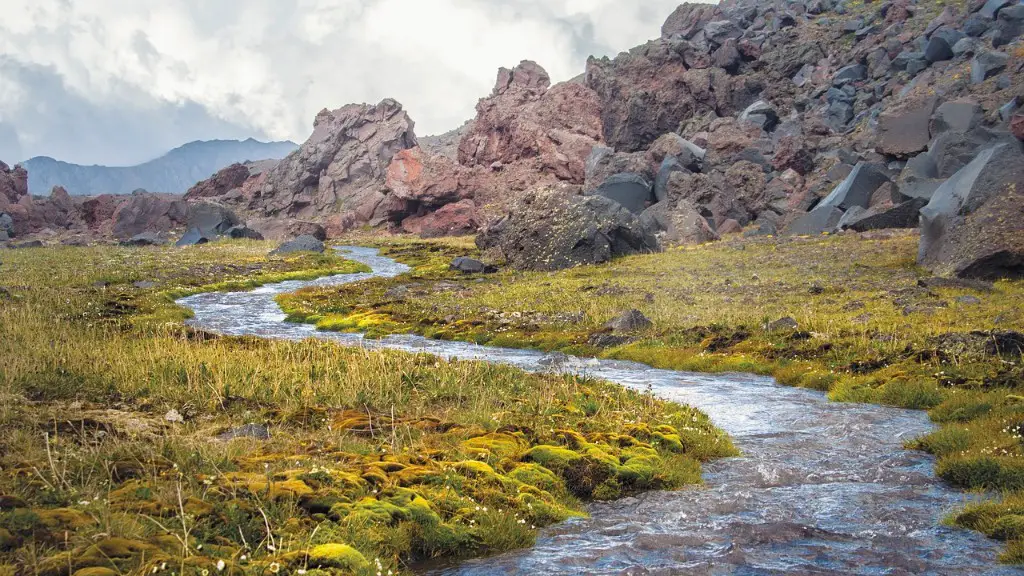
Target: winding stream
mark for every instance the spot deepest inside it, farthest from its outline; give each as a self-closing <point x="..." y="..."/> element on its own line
<point x="821" y="488"/>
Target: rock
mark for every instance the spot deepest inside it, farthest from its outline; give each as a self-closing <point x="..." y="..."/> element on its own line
<point x="852" y="73"/>
<point x="687" y="20"/>
<point x="682" y="224"/>
<point x="602" y="163"/>
<point x="470" y="266"/>
<point x="300" y="244"/>
<point x="1007" y="110"/>
<point x="255" y="431"/>
<point x="839" y="114"/>
<point x="761" y="113"/>
<point x="791" y="153"/>
<point x="1017" y="126"/>
<point x="951" y="151"/>
<point x="26" y="244"/>
<point x="144" y="239"/>
<point x="968" y="300"/>
<point x="554" y="129"/>
<point x="987" y="65"/>
<point x="672" y="145"/>
<point x="976" y="25"/>
<point x="729" y="226"/>
<point x="632" y="191"/>
<point x="344" y="162"/>
<point x="905" y="130"/>
<point x="551" y="229"/>
<point x="243" y="232"/>
<point x="903" y="215"/>
<point x="727" y="56"/>
<point x="281" y="229"/>
<point x="787" y="324"/>
<point x="174" y="416"/>
<point x="991" y="8"/>
<point x="220" y="184"/>
<point x="456" y="219"/>
<point x="144" y="284"/>
<point x="821" y="219"/>
<point x="857" y="188"/>
<point x="966" y="46"/>
<point x="193" y="237"/>
<point x="210" y="219"/>
<point x="629" y="321"/>
<point x="956" y="116"/>
<point x="973" y="227"/>
<point x="428" y="181"/>
<point x="7" y="224"/>
<point x="938" y="50"/>
<point x="669" y="166"/>
<point x="148" y="212"/>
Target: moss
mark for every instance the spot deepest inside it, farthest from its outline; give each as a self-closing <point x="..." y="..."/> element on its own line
<point x="338" y="556"/>
<point x="536" y="476"/>
<point x="95" y="571"/>
<point x="494" y="446"/>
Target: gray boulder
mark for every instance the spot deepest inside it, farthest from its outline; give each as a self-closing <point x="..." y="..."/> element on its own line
<point x="552" y="229"/>
<point x="243" y="232"/>
<point x="852" y="73"/>
<point x="193" y="237"/>
<point x="938" y="50"/>
<point x="144" y="239"/>
<point x="669" y="166"/>
<point x="987" y="65"/>
<point x="973" y="227"/>
<point x="7" y="224"/>
<point x="857" y="188"/>
<point x="629" y="321"/>
<point x="469" y="266"/>
<point x="26" y="244"/>
<point x="300" y="244"/>
<point x="682" y="224"/>
<point x="919" y="178"/>
<point x="991" y="8"/>
<point x="821" y="219"/>
<point x="904" y="131"/>
<point x="632" y="191"/>
<point x="211" y="219"/>
<point x="761" y="113"/>
<point x="956" y="116"/>
<point x="903" y="215"/>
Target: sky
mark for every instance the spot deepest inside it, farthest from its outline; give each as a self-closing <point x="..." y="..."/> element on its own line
<point x="119" y="82"/>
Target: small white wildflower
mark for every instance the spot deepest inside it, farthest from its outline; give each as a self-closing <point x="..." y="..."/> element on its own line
<point x="221" y="565"/>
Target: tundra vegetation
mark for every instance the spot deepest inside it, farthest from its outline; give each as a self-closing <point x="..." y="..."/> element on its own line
<point x="851" y="315"/>
<point x="133" y="444"/>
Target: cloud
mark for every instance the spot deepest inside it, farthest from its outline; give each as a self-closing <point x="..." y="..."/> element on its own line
<point x="120" y="81"/>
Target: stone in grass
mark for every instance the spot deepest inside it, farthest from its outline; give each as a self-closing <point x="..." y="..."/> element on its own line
<point x="174" y="416"/>
<point x="470" y="266"/>
<point x="782" y="324"/>
<point x="257" y="431"/>
<point x="301" y="244"/>
<point x="630" y="321"/>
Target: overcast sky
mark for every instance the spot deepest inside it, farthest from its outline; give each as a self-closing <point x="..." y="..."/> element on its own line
<point x="119" y="82"/>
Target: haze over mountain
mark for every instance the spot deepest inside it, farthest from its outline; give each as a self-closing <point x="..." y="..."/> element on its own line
<point x="175" y="171"/>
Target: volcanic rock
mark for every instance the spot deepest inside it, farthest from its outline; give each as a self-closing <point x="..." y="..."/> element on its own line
<point x="300" y="244"/>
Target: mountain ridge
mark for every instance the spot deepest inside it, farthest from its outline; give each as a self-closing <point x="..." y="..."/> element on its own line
<point x="176" y="171"/>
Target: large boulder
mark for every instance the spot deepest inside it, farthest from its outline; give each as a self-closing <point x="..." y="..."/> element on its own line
<point x="554" y="228"/>
<point x="603" y="163"/>
<point x="211" y="219"/>
<point x="857" y="188"/>
<point x="904" y="131"/>
<point x="343" y="163"/>
<point x="287" y="228"/>
<point x="423" y="180"/>
<point x="821" y="219"/>
<point x="300" y="244"/>
<point x="679" y="224"/>
<point x="973" y="226"/>
<point x="553" y="129"/>
<point x="146" y="211"/>
<point x="632" y="191"/>
<point x="455" y="219"/>
<point x="193" y="237"/>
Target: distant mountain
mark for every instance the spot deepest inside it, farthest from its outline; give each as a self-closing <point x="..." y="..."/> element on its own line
<point x="175" y="171"/>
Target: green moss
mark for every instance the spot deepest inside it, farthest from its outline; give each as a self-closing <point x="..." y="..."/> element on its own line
<point x="338" y="556"/>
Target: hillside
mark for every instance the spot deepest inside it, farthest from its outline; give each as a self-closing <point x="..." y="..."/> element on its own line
<point x="175" y="171"/>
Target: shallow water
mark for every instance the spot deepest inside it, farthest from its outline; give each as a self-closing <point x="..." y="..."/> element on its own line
<point x="821" y="488"/>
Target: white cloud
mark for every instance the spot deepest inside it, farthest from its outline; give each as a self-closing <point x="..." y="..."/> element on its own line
<point x="195" y="69"/>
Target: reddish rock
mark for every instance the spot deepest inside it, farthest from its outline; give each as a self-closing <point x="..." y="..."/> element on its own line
<point x="729" y="136"/>
<point x="99" y="210"/>
<point x="281" y="229"/>
<point x="343" y="163"/>
<point x="791" y="152"/>
<point x="523" y="119"/>
<point x="338" y="224"/>
<point x="688" y="19"/>
<point x="457" y="219"/>
<point x="730" y="226"/>
<point x="1017" y="126"/>
<point x="220" y="184"/>
<point x="430" y="181"/>
<point x="148" y="212"/>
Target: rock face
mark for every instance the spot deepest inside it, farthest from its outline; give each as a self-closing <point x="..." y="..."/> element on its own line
<point x="550" y="229"/>
<point x="524" y="119"/>
<point x="973" y="226"/>
<point x="148" y="212"/>
<point x="342" y="164"/>
<point x="220" y="184"/>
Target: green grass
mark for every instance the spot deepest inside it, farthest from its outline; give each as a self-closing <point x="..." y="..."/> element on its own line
<point x="867" y="331"/>
<point x="375" y="458"/>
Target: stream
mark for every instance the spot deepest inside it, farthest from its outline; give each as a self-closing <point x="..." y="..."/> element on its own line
<point x="821" y="488"/>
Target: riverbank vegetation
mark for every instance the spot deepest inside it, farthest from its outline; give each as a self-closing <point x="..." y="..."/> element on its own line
<point x="135" y="445"/>
<point x="850" y="315"/>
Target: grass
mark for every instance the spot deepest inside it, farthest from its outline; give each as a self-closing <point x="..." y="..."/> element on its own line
<point x="869" y="328"/>
<point x="113" y="459"/>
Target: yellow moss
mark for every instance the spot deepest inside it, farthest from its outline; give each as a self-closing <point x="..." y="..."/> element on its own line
<point x="498" y="445"/>
<point x="536" y="476"/>
<point x="67" y="518"/>
<point x="338" y="556"/>
<point x="95" y="571"/>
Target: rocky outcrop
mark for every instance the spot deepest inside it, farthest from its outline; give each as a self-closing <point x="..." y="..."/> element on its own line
<point x="525" y="120"/>
<point x="973" y="226"/>
<point x="220" y="184"/>
<point x="340" y="167"/>
<point x="554" y="228"/>
<point x="148" y="212"/>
